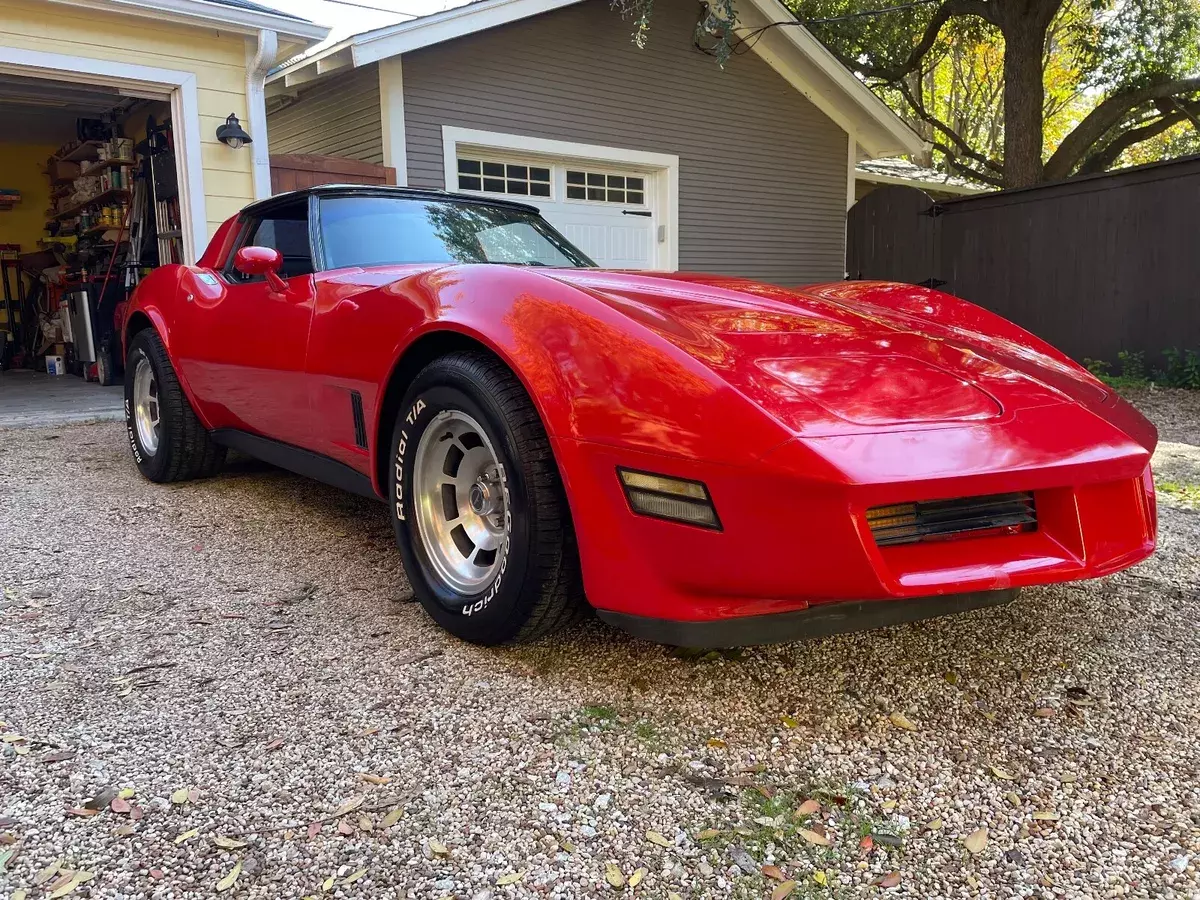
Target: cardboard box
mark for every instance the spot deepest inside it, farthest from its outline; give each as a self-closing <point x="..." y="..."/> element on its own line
<point x="54" y="366"/>
<point x="62" y="170"/>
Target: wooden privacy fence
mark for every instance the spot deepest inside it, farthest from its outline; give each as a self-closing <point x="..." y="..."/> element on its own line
<point x="1094" y="265"/>
<point x="292" y="172"/>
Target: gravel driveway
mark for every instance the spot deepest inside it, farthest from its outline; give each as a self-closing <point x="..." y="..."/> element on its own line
<point x="219" y="686"/>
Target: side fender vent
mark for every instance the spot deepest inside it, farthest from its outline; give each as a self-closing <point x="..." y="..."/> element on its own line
<point x="360" y="422"/>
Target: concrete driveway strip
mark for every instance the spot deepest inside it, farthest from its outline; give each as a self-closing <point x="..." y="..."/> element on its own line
<point x="218" y="687"/>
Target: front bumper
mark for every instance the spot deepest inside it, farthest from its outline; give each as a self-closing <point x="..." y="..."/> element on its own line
<point x="814" y="621"/>
<point x="795" y="536"/>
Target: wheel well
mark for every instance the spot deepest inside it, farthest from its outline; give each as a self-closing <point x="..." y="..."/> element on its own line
<point x="139" y="321"/>
<point x="422" y="352"/>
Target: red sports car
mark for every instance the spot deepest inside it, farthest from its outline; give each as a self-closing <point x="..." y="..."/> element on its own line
<point x="709" y="461"/>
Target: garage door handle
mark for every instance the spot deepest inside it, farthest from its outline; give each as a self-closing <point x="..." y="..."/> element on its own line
<point x="637" y="212"/>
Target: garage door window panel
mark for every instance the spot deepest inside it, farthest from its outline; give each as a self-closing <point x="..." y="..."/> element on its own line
<point x="502" y="177"/>
<point x="606" y="187"/>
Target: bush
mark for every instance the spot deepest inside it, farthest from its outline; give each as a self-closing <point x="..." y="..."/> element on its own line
<point x="1181" y="370"/>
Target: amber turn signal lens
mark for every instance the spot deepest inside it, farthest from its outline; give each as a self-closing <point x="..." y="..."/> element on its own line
<point x="674" y="499"/>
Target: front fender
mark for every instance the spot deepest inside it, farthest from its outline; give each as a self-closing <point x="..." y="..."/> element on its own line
<point x="592" y="372"/>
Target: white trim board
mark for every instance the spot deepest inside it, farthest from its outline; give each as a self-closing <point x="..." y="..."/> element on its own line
<point x="664" y="165"/>
<point x="391" y="114"/>
<point x="211" y="15"/>
<point x="138" y="81"/>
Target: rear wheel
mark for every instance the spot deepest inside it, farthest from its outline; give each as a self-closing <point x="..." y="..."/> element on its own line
<point x="478" y="506"/>
<point x="168" y="441"/>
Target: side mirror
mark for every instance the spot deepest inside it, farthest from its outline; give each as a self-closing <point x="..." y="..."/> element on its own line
<point x="264" y="261"/>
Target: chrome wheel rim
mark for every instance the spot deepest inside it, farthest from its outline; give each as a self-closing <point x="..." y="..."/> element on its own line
<point x="145" y="406"/>
<point x="460" y="496"/>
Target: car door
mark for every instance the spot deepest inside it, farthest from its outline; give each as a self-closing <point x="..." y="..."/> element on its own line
<point x="242" y="343"/>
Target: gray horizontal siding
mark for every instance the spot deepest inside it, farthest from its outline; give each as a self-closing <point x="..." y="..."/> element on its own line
<point x="762" y="180"/>
<point x="337" y="116"/>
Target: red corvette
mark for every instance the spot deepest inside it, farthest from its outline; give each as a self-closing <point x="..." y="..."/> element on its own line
<point x="710" y="461"/>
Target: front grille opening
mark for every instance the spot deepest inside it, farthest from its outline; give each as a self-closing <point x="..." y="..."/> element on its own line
<point x="941" y="520"/>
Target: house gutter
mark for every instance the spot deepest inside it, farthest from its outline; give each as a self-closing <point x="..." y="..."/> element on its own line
<point x="265" y="51"/>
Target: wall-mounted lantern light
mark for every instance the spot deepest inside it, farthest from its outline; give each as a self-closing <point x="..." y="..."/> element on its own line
<point x="232" y="134"/>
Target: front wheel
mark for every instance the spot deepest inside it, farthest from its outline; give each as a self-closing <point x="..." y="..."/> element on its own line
<point x="478" y="505"/>
<point x="169" y="443"/>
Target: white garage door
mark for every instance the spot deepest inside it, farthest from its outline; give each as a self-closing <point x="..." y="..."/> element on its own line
<point x="607" y="212"/>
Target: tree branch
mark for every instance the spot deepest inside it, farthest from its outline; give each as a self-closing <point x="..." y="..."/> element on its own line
<point x="943" y="14"/>
<point x="1102" y="159"/>
<point x="1102" y="119"/>
<point x="964" y="149"/>
<point x="964" y="169"/>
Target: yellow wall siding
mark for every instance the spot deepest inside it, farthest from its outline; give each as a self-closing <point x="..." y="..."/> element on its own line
<point x="218" y="60"/>
<point x="21" y="168"/>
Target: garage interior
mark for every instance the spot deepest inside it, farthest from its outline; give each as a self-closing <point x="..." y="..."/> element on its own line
<point x="89" y="203"/>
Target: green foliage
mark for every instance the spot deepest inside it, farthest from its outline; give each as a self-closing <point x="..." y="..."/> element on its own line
<point x="1188" y="494"/>
<point x="1181" y="370"/>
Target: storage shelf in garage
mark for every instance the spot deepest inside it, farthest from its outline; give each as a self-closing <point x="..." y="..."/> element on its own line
<point x="103" y="164"/>
<point x="115" y="194"/>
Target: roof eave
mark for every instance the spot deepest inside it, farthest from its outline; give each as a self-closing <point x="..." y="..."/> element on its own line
<point x="198" y="12"/>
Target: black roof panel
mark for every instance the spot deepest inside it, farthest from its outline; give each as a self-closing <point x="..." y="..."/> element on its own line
<point x="257" y="7"/>
<point x="380" y="190"/>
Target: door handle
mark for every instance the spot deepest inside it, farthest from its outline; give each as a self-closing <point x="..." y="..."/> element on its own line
<point x="637" y="212"/>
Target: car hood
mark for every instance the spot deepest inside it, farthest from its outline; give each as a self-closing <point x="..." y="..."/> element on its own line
<point x="828" y="360"/>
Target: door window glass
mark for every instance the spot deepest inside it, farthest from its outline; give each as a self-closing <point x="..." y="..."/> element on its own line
<point x="286" y="230"/>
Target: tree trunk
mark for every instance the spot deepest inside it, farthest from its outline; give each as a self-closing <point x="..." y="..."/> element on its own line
<point x="1024" y="95"/>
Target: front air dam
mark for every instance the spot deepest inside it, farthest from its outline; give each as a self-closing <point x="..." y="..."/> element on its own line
<point x="818" y="620"/>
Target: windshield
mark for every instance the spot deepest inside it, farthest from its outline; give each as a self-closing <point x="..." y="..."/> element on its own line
<point x="376" y="231"/>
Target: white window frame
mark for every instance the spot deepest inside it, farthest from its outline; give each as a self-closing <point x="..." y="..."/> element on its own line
<point x="149" y="82"/>
<point x="664" y="167"/>
<point x="491" y="155"/>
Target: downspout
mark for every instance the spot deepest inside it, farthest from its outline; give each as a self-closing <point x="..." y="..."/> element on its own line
<point x="266" y="49"/>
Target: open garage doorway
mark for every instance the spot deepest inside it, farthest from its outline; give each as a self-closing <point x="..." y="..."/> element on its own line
<point x="93" y="194"/>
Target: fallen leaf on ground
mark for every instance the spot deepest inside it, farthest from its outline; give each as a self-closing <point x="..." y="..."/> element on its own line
<point x="328" y="883"/>
<point x="365" y="823"/>
<point x="350" y="805"/>
<point x="773" y="872"/>
<point x="997" y="772"/>
<point x="708" y="834"/>
<point x="376" y="779"/>
<point x="614" y="876"/>
<point x="935" y="825"/>
<point x="180" y="797"/>
<point x="135" y="811"/>
<point x="814" y="838"/>
<point x="119" y="805"/>
<point x="354" y="876"/>
<point x="231" y="879"/>
<point x="716" y="743"/>
<point x="186" y="835"/>
<point x="901" y="721"/>
<point x="1044" y="712"/>
<point x="655" y="838"/>
<point x="867" y="844"/>
<point x="228" y="843"/>
<point x="345" y="827"/>
<point x="1012" y="798"/>
<point x="58" y="756"/>
<point x="75" y="880"/>
<point x="274" y="745"/>
<point x="976" y="841"/>
<point x="156" y="874"/>
<point x="890" y="880"/>
<point x="392" y="818"/>
<point x="126" y="793"/>
<point x="510" y="878"/>
<point x="82" y="811"/>
<point x="438" y="848"/>
<point x="6" y="857"/>
<point x="193" y="795"/>
<point x="807" y="808"/>
<point x="1046" y="815"/>
<point x="636" y="878"/>
<point x="820" y="877"/>
<point x="124" y="830"/>
<point x="789" y="722"/>
<point x="19" y="894"/>
<point x="783" y="891"/>
<point x="314" y="828"/>
<point x="951" y="678"/>
<point x="49" y="872"/>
